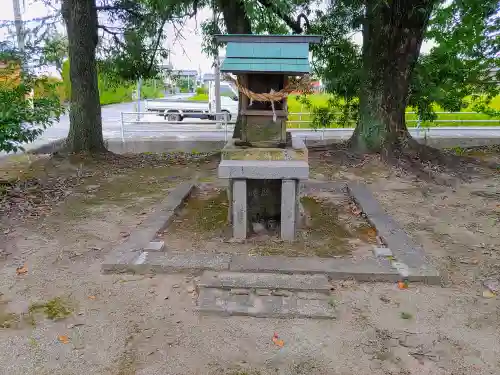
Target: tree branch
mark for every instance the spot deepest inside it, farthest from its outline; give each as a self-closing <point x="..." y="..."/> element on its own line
<point x="291" y="23"/>
<point x="157" y="44"/>
<point x="109" y="8"/>
<point x="114" y="34"/>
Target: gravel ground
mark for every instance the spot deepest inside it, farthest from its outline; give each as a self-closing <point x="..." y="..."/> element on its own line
<point x="124" y="325"/>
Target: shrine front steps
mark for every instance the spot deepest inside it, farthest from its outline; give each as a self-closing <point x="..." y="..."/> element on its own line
<point x="265" y="295"/>
<point x="264" y="286"/>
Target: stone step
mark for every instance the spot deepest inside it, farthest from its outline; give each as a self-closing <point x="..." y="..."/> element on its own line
<point x="272" y="281"/>
<point x="249" y="303"/>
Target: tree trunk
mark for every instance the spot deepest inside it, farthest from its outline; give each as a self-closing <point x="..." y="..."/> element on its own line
<point x="392" y="36"/>
<point x="237" y="22"/>
<point x="85" y="131"/>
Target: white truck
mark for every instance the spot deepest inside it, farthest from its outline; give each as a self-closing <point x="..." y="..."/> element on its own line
<point x="178" y="109"/>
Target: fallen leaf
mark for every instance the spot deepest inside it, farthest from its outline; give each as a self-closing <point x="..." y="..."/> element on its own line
<point x="22" y="270"/>
<point x="277" y="341"/>
<point x="64" y="339"/>
<point x="91" y="297"/>
<point x="488" y="294"/>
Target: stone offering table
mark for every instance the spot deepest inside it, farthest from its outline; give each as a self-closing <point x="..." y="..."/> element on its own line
<point x="263" y="185"/>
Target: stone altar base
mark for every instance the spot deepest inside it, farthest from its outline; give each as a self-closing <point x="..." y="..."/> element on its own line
<point x="264" y="186"/>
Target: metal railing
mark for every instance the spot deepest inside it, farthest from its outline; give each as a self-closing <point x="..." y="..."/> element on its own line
<point x="134" y="122"/>
<point x="152" y="123"/>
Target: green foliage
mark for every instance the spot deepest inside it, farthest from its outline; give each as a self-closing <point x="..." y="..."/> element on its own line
<point x="334" y="111"/>
<point x="66" y="80"/>
<point x="55" y="51"/>
<point x="458" y="72"/>
<point x="134" y="46"/>
<point x="201" y="90"/>
<point x="114" y="89"/>
<point x="23" y="117"/>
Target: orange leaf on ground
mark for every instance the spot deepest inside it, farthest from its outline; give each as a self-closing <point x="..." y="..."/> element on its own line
<point x="277" y="341"/>
<point x="22" y="270"/>
<point x="64" y="339"/>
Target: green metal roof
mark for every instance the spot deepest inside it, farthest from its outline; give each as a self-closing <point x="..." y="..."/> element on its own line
<point x="267" y="53"/>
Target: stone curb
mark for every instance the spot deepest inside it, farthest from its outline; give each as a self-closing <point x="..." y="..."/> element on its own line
<point x="336" y="269"/>
<point x="403" y="247"/>
<point x="236" y="280"/>
<point x="125" y="254"/>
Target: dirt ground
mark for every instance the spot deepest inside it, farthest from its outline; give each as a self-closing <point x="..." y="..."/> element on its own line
<point x="329" y="227"/>
<point x="59" y="315"/>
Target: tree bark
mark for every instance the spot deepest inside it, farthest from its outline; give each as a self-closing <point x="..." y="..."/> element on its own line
<point x="85" y="131"/>
<point x="392" y="36"/>
<point x="237" y="22"/>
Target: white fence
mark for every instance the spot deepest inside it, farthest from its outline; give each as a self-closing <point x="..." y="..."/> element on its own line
<point x="148" y="123"/>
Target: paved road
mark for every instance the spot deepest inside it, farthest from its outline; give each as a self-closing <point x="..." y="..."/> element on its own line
<point x="152" y="126"/>
<point x="111" y="122"/>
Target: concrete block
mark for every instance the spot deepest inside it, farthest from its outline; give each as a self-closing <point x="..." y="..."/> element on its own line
<point x="155" y="246"/>
<point x="232" y="280"/>
<point x="337" y="269"/>
<point x="382" y="252"/>
<point x="289" y="207"/>
<point x="164" y="262"/>
<point x="239" y="206"/>
<point x="256" y="169"/>
<point x="215" y="301"/>
<point x="126" y="252"/>
<point x="402" y="246"/>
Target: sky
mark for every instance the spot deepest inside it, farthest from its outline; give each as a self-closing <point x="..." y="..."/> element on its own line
<point x="186" y="51"/>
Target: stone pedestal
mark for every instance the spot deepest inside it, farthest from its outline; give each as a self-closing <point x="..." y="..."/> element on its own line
<point x="264" y="185"/>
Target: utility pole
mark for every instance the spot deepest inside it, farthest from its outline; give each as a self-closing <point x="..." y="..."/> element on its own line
<point x="18" y="22"/>
<point x="216" y="71"/>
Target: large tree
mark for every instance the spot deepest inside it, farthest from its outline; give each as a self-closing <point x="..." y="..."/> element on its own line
<point x="253" y="17"/>
<point x="129" y="35"/>
<point x="388" y="73"/>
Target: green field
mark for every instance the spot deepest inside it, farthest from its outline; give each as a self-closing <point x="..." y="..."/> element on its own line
<point x="444" y="119"/>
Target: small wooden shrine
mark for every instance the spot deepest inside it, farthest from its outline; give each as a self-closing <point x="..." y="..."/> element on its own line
<point x="267" y="67"/>
<point x="265" y="166"/>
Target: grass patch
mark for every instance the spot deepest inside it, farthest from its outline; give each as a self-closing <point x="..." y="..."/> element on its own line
<point x="54" y="309"/>
<point x="325" y="236"/>
<point x="204" y="214"/>
<point x="199" y="97"/>
<point x="405" y="315"/>
<point x="8" y="320"/>
<point x="443" y="120"/>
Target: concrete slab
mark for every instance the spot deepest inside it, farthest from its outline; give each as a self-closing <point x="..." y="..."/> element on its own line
<point x="239" y="209"/>
<point x="126" y="252"/>
<point x="289" y="209"/>
<point x="221" y="302"/>
<point x="382" y="252"/>
<point x="233" y="280"/>
<point x="402" y="246"/>
<point x="155" y="246"/>
<point x="170" y="262"/>
<point x="256" y="169"/>
<point x="366" y="270"/>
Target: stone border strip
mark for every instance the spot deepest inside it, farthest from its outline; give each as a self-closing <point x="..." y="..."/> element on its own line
<point x="336" y="269"/>
<point x="127" y="252"/>
<point x="235" y="280"/>
<point x="404" y="249"/>
<point x="134" y="257"/>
